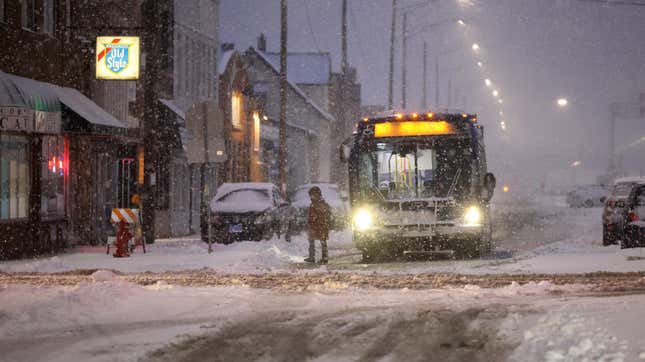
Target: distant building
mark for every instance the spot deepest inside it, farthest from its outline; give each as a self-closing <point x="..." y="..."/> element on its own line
<point x="371" y="110"/>
<point x="182" y="40"/>
<point x="309" y="123"/>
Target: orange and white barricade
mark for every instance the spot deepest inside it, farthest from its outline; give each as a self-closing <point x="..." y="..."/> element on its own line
<point x="127" y="219"/>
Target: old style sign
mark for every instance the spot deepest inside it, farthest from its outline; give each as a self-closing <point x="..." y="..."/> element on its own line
<point x="117" y="57"/>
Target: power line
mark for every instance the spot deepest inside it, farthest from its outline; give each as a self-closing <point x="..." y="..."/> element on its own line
<point x="616" y="2"/>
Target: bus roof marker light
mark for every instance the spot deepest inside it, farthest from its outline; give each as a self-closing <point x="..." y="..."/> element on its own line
<point x="399" y="116"/>
<point x="415" y="115"/>
<point x="430" y="115"/>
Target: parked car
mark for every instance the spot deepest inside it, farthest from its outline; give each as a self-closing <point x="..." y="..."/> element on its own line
<point x="587" y="196"/>
<point x="635" y="219"/>
<point x="336" y="199"/>
<point x="613" y="216"/>
<point x="248" y="211"/>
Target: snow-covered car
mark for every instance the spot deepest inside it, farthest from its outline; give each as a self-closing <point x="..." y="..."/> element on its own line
<point x="613" y="216"/>
<point x="587" y="196"/>
<point x="635" y="219"/>
<point x="248" y="211"/>
<point x="332" y="195"/>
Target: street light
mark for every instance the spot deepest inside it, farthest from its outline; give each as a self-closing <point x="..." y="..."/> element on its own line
<point x="475" y="47"/>
<point x="562" y="102"/>
<point x="503" y="125"/>
<point x="480" y="64"/>
<point x="500" y="101"/>
<point x="495" y="93"/>
<point x="461" y="22"/>
<point x="488" y="82"/>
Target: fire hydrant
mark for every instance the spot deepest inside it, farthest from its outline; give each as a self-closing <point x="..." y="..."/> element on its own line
<point x="123" y="235"/>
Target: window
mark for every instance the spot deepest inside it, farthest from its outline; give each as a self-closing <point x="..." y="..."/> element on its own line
<point x="49" y="18"/>
<point x="14" y="177"/>
<point x="256" y="132"/>
<point x="236" y="110"/>
<point x="28" y="14"/>
<point x="54" y="167"/>
<point x="2" y="13"/>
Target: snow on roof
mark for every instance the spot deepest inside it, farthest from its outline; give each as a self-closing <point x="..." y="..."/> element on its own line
<point x="173" y="107"/>
<point x="305" y="68"/>
<point x="636" y="179"/>
<point x="86" y="108"/>
<point x="224" y="60"/>
<point x="299" y="91"/>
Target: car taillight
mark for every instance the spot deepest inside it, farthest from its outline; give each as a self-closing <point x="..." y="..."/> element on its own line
<point x="633" y="216"/>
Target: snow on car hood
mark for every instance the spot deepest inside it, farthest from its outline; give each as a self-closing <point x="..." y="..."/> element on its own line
<point x="242" y="200"/>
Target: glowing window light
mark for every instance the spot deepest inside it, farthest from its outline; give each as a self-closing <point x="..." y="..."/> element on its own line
<point x="256" y="131"/>
<point x="236" y="110"/>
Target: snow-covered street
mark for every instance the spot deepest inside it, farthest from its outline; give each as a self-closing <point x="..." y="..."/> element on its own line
<point x="258" y="301"/>
<point x="541" y="237"/>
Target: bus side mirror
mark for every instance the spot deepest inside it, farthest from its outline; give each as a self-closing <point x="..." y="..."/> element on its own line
<point x="489" y="186"/>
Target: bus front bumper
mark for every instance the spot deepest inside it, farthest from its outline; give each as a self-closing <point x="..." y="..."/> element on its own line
<point x="418" y="237"/>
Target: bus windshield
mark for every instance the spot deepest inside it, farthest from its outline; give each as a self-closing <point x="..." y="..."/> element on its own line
<point x="402" y="170"/>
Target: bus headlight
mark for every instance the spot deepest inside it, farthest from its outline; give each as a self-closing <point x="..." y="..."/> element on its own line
<point x="473" y="216"/>
<point x="363" y="220"/>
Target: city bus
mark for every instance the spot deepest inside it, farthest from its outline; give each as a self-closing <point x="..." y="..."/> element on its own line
<point x="419" y="185"/>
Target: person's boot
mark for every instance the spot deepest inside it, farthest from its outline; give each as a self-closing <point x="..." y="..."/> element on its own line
<point x="324" y="259"/>
<point x="310" y="260"/>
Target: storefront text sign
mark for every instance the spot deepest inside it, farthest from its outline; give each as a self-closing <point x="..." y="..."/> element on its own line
<point x="16" y="119"/>
<point x="117" y="57"/>
<point x="47" y="122"/>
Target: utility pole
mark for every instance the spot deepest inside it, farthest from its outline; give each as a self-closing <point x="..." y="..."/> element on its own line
<point x="150" y="109"/>
<point x="404" y="38"/>
<point x="390" y="88"/>
<point x="612" y="138"/>
<point x="344" y="62"/>
<point x="424" y="92"/>
<point x="282" y="151"/>
<point x="436" y="81"/>
<point x="450" y="91"/>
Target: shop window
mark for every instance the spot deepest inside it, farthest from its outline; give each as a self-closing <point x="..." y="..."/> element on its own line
<point x="53" y="170"/>
<point x="28" y="14"/>
<point x="236" y="110"/>
<point x="14" y="177"/>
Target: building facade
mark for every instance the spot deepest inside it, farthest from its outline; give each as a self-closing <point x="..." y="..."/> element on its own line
<point x="184" y="123"/>
<point x="309" y="125"/>
<point x="44" y="114"/>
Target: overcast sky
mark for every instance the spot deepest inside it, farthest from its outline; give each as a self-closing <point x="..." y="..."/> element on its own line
<point x="533" y="50"/>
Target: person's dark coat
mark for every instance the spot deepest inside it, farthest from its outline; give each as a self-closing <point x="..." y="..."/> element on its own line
<point x="319" y="219"/>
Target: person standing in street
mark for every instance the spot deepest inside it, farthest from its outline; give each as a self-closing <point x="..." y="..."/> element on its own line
<point x="318" y="225"/>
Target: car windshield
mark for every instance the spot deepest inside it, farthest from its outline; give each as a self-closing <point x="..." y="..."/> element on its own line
<point x="406" y="170"/>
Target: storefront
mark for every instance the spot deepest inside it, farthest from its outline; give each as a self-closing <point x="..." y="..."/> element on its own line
<point x="38" y="121"/>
